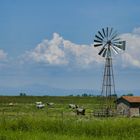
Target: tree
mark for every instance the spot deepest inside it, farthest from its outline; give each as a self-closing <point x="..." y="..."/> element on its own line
<point x="84" y="94"/>
<point x="129" y="94"/>
<point x="71" y="95"/>
<point x="22" y="94"/>
<point x="114" y="95"/>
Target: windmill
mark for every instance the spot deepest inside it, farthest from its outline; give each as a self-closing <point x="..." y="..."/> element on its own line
<point x="110" y="44"/>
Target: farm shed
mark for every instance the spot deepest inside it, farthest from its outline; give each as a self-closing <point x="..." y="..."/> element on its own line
<point x="129" y="106"/>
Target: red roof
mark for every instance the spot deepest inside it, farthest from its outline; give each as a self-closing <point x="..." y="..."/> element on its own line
<point x="132" y="99"/>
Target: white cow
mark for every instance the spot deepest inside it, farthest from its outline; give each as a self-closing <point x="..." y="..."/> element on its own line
<point x="80" y="111"/>
<point x="50" y="104"/>
<point x="11" y="104"/>
<point x="38" y="103"/>
<point x="40" y="106"/>
<point x="73" y="106"/>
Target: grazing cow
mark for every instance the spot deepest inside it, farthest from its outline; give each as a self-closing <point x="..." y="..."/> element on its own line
<point x="40" y="106"/>
<point x="11" y="104"/>
<point x="38" y="103"/>
<point x="73" y="106"/>
<point x="50" y="104"/>
<point x="80" y="111"/>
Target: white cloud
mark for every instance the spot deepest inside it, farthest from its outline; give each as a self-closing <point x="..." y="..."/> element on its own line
<point x="136" y="30"/>
<point x="49" y="51"/>
<point x="131" y="57"/>
<point x="3" y="55"/>
<point x="58" y="51"/>
<point x="3" y="59"/>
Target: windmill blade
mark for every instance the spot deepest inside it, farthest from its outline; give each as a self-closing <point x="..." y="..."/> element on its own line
<point x="118" y="47"/>
<point x="107" y="32"/>
<point x="104" y="53"/>
<point x="99" y="38"/>
<point x="101" y="34"/>
<point x="101" y="51"/>
<point x="110" y="31"/>
<point x="114" y="36"/>
<point x="114" y="49"/>
<point x="97" y="45"/>
<point x="104" y="32"/>
<point x="121" y="45"/>
<point x="98" y="41"/>
<point x="118" y="42"/>
<point x="116" y="39"/>
<point x="103" y="48"/>
<point x="113" y="33"/>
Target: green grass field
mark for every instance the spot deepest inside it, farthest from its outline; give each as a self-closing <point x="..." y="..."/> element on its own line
<point x="23" y="121"/>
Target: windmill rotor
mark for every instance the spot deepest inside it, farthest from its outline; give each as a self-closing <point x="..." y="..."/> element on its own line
<point x="110" y="42"/>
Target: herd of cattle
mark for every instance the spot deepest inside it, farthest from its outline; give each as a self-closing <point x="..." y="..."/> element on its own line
<point x="79" y="110"/>
<point x="74" y="107"/>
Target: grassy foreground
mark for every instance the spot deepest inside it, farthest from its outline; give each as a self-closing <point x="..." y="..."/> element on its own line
<point x="24" y="122"/>
<point x="32" y="128"/>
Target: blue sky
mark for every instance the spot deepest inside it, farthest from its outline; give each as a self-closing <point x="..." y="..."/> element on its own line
<point x="50" y="42"/>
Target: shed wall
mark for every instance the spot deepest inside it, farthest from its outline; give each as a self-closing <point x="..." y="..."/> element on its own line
<point x="123" y="109"/>
<point x="134" y="112"/>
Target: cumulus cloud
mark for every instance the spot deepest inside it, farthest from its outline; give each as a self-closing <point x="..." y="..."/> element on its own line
<point x="131" y="57"/>
<point x="3" y="55"/>
<point x="136" y="30"/>
<point x="49" y="51"/>
<point x="59" y="51"/>
<point x="3" y="58"/>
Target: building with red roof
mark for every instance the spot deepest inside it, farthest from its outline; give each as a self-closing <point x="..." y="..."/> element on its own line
<point x="129" y="106"/>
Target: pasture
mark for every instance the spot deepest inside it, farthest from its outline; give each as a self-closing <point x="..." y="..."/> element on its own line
<point x="22" y="120"/>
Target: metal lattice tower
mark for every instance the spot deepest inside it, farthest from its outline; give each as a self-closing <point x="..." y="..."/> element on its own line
<point x="111" y="44"/>
<point x="108" y="86"/>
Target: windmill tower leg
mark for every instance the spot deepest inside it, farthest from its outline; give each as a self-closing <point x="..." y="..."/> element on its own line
<point x="108" y="86"/>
